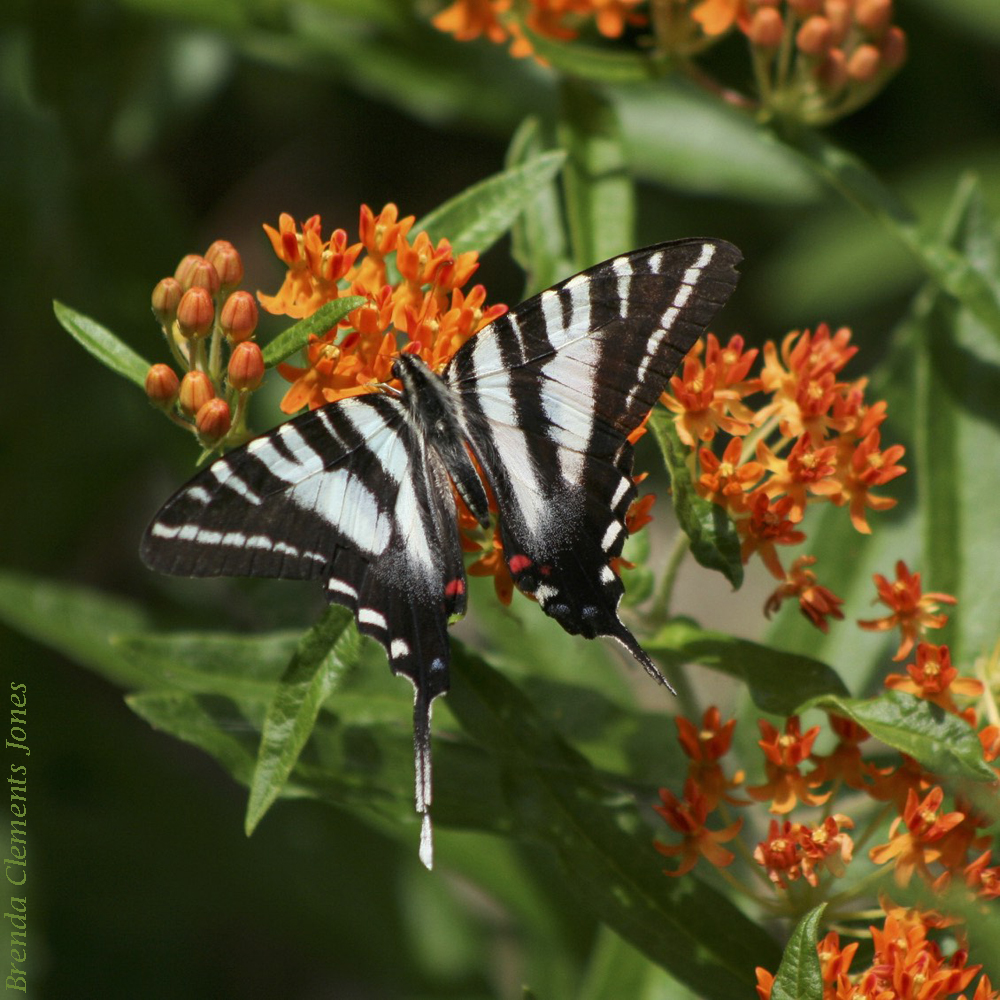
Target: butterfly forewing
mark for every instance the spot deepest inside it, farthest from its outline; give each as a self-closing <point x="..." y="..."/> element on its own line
<point x="549" y="394"/>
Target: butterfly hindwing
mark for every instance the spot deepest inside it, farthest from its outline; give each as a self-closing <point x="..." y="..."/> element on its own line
<point x="549" y="394"/>
<point x="349" y="494"/>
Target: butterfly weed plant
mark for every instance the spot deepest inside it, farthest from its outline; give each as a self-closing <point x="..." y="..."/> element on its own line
<point x="846" y="817"/>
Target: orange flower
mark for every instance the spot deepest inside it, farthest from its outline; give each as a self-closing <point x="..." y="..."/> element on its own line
<point x="724" y="481"/>
<point x="784" y="753"/>
<point x="912" y="611"/>
<point x="779" y="853"/>
<point x="803" y="383"/>
<point x="982" y="878"/>
<point x="766" y="526"/>
<point x="867" y="468"/>
<point x="688" y="817"/>
<point x="706" y="396"/>
<point x="925" y="826"/>
<point x="705" y="747"/>
<point x="315" y="266"/>
<point x="816" y="602"/>
<point x="804" y="471"/>
<point x="825" y="845"/>
<point x="933" y="678"/>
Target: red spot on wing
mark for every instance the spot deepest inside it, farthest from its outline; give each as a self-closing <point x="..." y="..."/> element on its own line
<point x="454" y="587"/>
<point x="518" y="564"/>
<point x="545" y="569"/>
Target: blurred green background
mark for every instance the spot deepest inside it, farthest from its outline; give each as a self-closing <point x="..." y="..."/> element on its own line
<point x="133" y="133"/>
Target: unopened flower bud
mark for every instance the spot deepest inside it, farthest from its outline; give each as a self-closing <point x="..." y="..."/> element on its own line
<point x="838" y="13"/>
<point x="226" y="260"/>
<point x="213" y="422"/>
<point x="246" y="366"/>
<point x="203" y="274"/>
<point x="165" y="297"/>
<point x="894" y="48"/>
<point x="832" y="72"/>
<point x="874" y="16"/>
<point x="195" y="313"/>
<point x="805" y="8"/>
<point x="766" y="28"/>
<point x="238" y="318"/>
<point x="815" y="37"/>
<point x="864" y="64"/>
<point x="182" y="272"/>
<point x="162" y="386"/>
<point x="196" y="390"/>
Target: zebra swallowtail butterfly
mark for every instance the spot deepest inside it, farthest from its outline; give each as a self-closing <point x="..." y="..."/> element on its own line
<point x="358" y="493"/>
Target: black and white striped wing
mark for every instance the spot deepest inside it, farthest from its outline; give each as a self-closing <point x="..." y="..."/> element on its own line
<point x="549" y="393"/>
<point x="349" y="494"/>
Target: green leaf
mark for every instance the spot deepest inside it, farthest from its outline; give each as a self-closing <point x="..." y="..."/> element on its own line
<point x="213" y="725"/>
<point x="76" y="621"/>
<point x="940" y="741"/>
<point x="679" y="136"/>
<point x="314" y="671"/>
<point x="952" y="270"/>
<point x="481" y="214"/>
<point x="957" y="384"/>
<point x="244" y="668"/>
<point x="800" y="975"/>
<point x="778" y="682"/>
<point x="714" y="541"/>
<point x="556" y="797"/>
<point x="103" y="344"/>
<point x="538" y="236"/>
<point x="296" y="337"/>
<point x="600" y="195"/>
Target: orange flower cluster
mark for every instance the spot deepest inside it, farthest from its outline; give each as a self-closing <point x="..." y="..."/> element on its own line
<point x="815" y="60"/>
<point x="424" y="312"/>
<point x="204" y="316"/>
<point x="558" y="19"/>
<point x="906" y="963"/>
<point x="945" y="843"/>
<point x="828" y="447"/>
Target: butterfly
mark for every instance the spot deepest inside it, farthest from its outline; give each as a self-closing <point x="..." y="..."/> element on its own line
<point x="358" y="494"/>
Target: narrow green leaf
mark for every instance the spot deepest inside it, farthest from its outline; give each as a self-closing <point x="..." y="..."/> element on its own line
<point x="215" y="726"/>
<point x="778" y="681"/>
<point x="76" y="621"/>
<point x="600" y="195"/>
<point x="952" y="270"/>
<point x="103" y="344"/>
<point x="296" y="337"/>
<point x="714" y="541"/>
<point x="538" y="236"/>
<point x="800" y="975"/>
<point x="241" y="667"/>
<point x="313" y="672"/>
<point x="556" y="797"/>
<point x="940" y="741"/>
<point x="956" y="388"/>
<point x="481" y="214"/>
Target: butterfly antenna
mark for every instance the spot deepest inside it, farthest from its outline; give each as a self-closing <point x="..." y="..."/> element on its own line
<point x="422" y="767"/>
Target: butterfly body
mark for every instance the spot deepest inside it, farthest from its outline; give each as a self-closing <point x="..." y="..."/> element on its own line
<point x="358" y="493"/>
